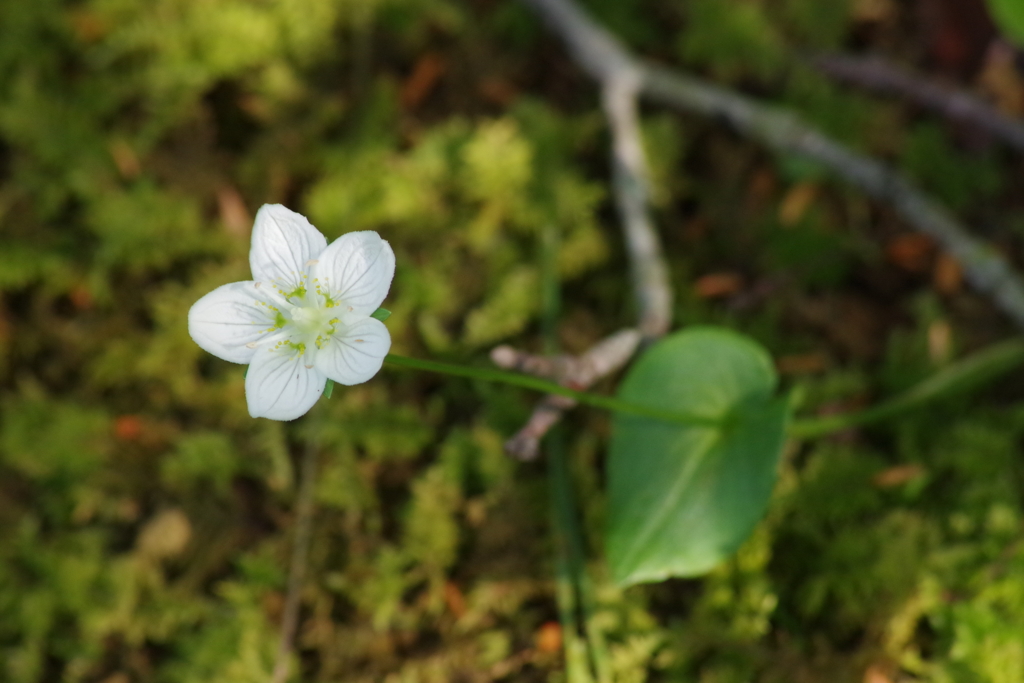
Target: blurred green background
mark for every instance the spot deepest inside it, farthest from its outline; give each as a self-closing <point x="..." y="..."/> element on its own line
<point x="146" y="521"/>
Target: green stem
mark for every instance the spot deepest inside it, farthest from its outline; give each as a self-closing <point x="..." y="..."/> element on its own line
<point x="304" y="509"/>
<point x="568" y="562"/>
<point x="572" y="558"/>
<point x="957" y="377"/>
<point x="544" y="386"/>
<point x="964" y="374"/>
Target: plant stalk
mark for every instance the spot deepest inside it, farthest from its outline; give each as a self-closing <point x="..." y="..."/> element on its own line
<point x="305" y="506"/>
<point x="544" y="386"/>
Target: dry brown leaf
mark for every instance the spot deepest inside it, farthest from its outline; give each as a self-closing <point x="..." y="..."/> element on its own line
<point x="454" y="599"/>
<point x="803" y="363"/>
<point x="897" y="476"/>
<point x="88" y="27"/>
<point x="81" y="297"/>
<point x="940" y="341"/>
<point x="549" y="637"/>
<point x="716" y="285"/>
<point x="165" y="535"/>
<point x="498" y="91"/>
<point x="947" y="276"/>
<point x="425" y="75"/>
<point x="1001" y="80"/>
<point x="119" y="677"/>
<point x="912" y="252"/>
<point x="233" y="213"/>
<point x="795" y="204"/>
<point x="873" y="10"/>
<point x="125" y="159"/>
<point x="128" y="427"/>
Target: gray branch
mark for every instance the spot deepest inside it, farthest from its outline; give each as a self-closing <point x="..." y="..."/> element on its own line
<point x="879" y="75"/>
<point x="602" y="56"/>
<point x="578" y="372"/>
<point x="629" y="176"/>
<point x="621" y="77"/>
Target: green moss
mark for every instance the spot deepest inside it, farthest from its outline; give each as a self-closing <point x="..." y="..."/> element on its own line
<point x="138" y="139"/>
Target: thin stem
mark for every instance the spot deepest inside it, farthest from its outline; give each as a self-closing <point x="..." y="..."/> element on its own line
<point x="568" y="561"/>
<point x="571" y="557"/>
<point x="964" y="374"/>
<point x="816" y="427"/>
<point x="544" y="386"/>
<point x="575" y="594"/>
<point x="300" y="556"/>
<point x="983" y="366"/>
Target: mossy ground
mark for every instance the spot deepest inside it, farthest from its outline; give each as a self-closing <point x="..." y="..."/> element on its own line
<point x="146" y="520"/>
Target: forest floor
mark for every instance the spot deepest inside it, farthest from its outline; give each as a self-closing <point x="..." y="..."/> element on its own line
<point x="147" y="522"/>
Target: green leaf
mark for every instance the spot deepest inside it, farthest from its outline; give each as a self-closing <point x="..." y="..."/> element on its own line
<point x="381" y="314"/>
<point x="1009" y="15"/>
<point x="329" y="388"/>
<point x="683" y="498"/>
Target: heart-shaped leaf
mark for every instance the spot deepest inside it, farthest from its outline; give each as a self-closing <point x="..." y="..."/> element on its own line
<point x="683" y="498"/>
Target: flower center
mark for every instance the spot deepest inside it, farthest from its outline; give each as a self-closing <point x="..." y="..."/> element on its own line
<point x="312" y="321"/>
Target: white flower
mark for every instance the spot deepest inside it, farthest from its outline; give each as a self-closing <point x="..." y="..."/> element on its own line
<point x="305" y="316"/>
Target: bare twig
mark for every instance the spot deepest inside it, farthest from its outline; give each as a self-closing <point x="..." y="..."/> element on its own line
<point x="579" y="373"/>
<point x="599" y="53"/>
<point x="650" y="273"/>
<point x="781" y="130"/>
<point x="300" y="557"/>
<point x="621" y="78"/>
<point x="879" y="75"/>
<point x="576" y="372"/>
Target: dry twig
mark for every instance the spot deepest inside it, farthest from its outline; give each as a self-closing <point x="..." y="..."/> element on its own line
<point x="601" y="54"/>
<point x="620" y="81"/>
<point x="879" y="75"/>
<point x="578" y="373"/>
<point x="650" y="273"/>
<point x="623" y="78"/>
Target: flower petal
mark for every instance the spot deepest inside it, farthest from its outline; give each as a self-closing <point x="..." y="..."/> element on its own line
<point x="278" y="386"/>
<point x="355" y="355"/>
<point x="357" y="269"/>
<point x="228" y="319"/>
<point x="283" y="244"/>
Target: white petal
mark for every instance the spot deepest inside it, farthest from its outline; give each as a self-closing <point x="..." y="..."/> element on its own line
<point x="229" y="319"/>
<point x="278" y="386"/>
<point x="283" y="244"/>
<point x="357" y="269"/>
<point x="354" y="356"/>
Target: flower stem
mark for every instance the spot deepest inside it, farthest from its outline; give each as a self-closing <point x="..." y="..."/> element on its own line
<point x="964" y="374"/>
<point x="544" y="386"/>
<point x="300" y="553"/>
